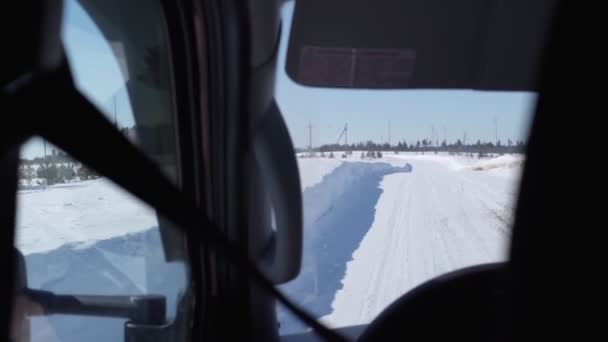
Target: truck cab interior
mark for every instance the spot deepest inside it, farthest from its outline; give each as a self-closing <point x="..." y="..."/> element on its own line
<point x="214" y="161"/>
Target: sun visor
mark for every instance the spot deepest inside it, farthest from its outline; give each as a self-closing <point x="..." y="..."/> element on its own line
<point x="403" y="44"/>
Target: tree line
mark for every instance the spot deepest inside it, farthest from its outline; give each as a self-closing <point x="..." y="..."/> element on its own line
<point x="58" y="167"/>
<point x="425" y="145"/>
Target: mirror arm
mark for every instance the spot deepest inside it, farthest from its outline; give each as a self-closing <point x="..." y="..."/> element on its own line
<point x="138" y="309"/>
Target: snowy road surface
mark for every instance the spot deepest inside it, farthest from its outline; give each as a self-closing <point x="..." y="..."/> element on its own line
<point x="427" y="222"/>
<point x="376" y="236"/>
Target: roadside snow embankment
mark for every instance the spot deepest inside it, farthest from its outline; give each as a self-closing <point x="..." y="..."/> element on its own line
<point x="505" y="161"/>
<point x="338" y="211"/>
<point x="312" y="170"/>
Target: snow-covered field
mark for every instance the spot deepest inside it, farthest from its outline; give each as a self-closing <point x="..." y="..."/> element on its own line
<point x="374" y="229"/>
<point x="77" y="213"/>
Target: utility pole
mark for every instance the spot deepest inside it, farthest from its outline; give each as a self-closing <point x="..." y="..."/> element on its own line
<point x="437" y="137"/>
<point x="346" y="134"/>
<point x="495" y="131"/>
<point x="310" y="137"/>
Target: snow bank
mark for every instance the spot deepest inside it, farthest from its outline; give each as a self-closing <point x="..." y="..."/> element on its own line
<point x="459" y="162"/>
<point x="504" y="161"/>
<point x="312" y="170"/>
<point x="338" y="211"/>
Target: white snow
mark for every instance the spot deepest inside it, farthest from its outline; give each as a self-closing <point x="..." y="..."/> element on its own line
<point x="92" y="237"/>
<point x="449" y="212"/>
<point x="77" y="213"/>
<point x="315" y="168"/>
<point x="506" y="161"/>
<point x="374" y="229"/>
<point x="428" y="222"/>
<point x="337" y="213"/>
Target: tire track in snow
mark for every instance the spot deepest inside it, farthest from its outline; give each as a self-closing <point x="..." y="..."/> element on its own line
<point x="426" y="223"/>
<point x="337" y="214"/>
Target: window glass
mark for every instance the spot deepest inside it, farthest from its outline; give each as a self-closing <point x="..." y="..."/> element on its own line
<point x="399" y="186"/>
<point x="79" y="233"/>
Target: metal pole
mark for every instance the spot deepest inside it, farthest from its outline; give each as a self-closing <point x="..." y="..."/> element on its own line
<point x="346" y="134"/>
<point x="310" y="137"/>
<point x="496" y="131"/>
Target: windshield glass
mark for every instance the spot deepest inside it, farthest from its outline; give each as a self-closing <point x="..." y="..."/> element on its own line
<point x="77" y="232"/>
<point x="399" y="186"/>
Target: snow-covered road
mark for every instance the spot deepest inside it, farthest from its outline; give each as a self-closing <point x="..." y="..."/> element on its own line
<point x="374" y="229"/>
<point x="438" y="218"/>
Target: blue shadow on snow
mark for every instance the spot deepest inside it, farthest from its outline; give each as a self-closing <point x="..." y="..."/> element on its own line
<point x="338" y="212"/>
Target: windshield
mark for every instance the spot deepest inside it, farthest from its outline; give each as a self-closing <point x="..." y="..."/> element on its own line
<point x="77" y="232"/>
<point x="398" y="186"/>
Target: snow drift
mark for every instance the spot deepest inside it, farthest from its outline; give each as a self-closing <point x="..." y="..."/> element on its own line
<point x="505" y="161"/>
<point x="337" y="213"/>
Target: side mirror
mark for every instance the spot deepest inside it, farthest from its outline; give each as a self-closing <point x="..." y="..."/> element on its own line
<point x="145" y="314"/>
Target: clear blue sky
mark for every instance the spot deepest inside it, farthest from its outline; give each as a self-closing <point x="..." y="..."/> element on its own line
<point x="95" y="69"/>
<point x="412" y="113"/>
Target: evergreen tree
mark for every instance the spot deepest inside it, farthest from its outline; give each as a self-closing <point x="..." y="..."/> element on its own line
<point x="50" y="173"/>
<point x="85" y="173"/>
